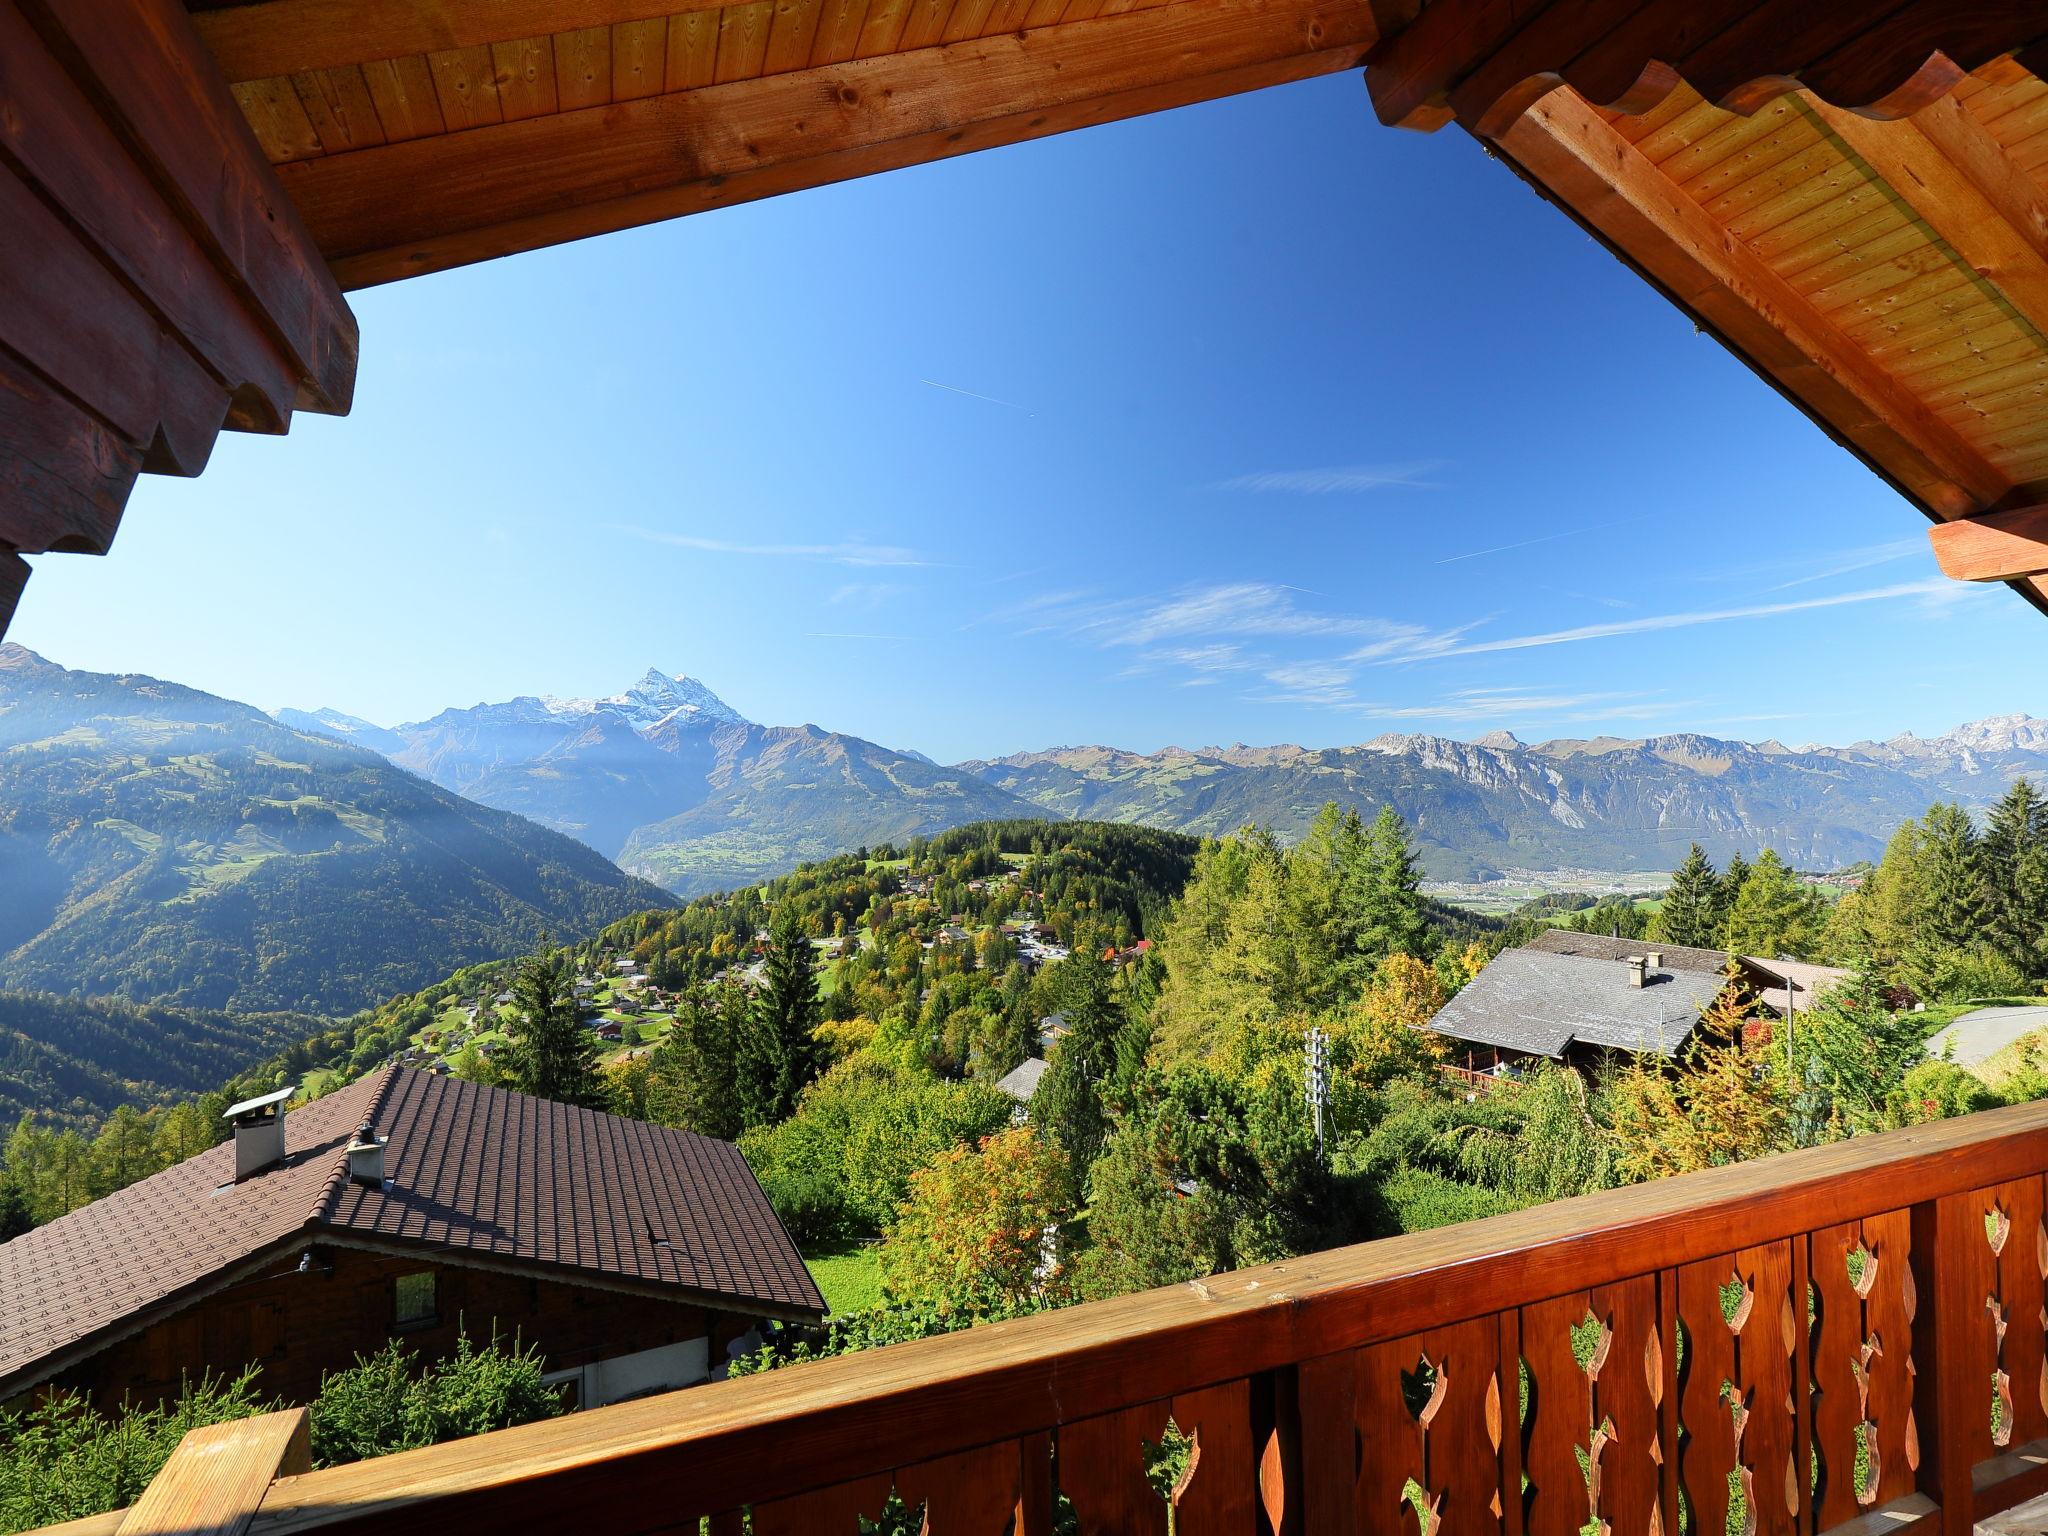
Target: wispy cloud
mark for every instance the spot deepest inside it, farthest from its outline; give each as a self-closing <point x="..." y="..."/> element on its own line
<point x="1251" y="608"/>
<point x="1662" y="621"/>
<point x="1337" y="480"/>
<point x="855" y="552"/>
<point x="954" y="389"/>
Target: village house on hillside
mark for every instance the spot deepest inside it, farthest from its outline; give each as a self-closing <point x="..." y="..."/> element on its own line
<point x="1575" y="997"/>
<point x="414" y="1206"/>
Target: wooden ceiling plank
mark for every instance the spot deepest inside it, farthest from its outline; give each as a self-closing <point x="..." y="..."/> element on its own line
<point x="1812" y="173"/>
<point x="583" y="67"/>
<point x="925" y="24"/>
<point x="1818" y="232"/>
<point x="1948" y="198"/>
<point x="970" y="18"/>
<point x="639" y="58"/>
<point x="1044" y="13"/>
<point x="2011" y="374"/>
<point x="792" y="35"/>
<point x="526" y="77"/>
<point x="1737" y="150"/>
<point x="466" y="85"/>
<point x="693" y="49"/>
<point x="1774" y="205"/>
<point x="460" y="247"/>
<point x="883" y="27"/>
<point x="1993" y="546"/>
<point x="743" y="40"/>
<point x="839" y="24"/>
<point x="283" y="37"/>
<point x="402" y="194"/>
<point x="338" y="102"/>
<point x="1007" y="16"/>
<point x="1957" y="359"/>
<point x="2021" y="116"/>
<point x="1698" y="120"/>
<point x="1567" y="148"/>
<point x="1903" y="253"/>
<point x="1928" y="309"/>
<point x="402" y="90"/>
<point x="278" y="118"/>
<point x="1641" y="125"/>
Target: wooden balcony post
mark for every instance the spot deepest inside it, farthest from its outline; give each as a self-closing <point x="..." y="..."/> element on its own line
<point x="216" y="1478"/>
<point x="1941" y="1396"/>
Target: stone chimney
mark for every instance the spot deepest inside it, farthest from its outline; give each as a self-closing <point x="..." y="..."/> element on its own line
<point x="259" y="1132"/>
<point x="1656" y="959"/>
<point x="1636" y="967"/>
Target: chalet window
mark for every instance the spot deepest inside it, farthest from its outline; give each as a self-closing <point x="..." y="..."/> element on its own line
<point x="416" y="1300"/>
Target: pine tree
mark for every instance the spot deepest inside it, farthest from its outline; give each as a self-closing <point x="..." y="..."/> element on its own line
<point x="2015" y="851"/>
<point x="549" y="1053"/>
<point x="779" y="1053"/>
<point x="1726" y="891"/>
<point x="695" y="1082"/>
<point x="1690" y="908"/>
<point x="1953" y="878"/>
<point x="1069" y="1105"/>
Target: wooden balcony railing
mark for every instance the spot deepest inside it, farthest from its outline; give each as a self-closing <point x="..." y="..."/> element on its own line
<point x="1849" y="1339"/>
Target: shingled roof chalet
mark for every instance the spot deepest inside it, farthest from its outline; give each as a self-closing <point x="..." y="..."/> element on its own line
<point x="477" y="1176"/>
<point x="1532" y="1002"/>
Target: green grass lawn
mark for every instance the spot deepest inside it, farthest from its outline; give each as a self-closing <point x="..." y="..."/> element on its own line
<point x="850" y="1280"/>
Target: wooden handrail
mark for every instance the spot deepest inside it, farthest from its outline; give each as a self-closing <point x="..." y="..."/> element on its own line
<point x="1247" y="1355"/>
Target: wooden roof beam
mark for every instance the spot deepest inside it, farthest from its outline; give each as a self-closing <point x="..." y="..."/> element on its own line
<point x="1993" y="546"/>
<point x="1570" y="150"/>
<point x="1948" y="200"/>
<point x="1483" y="61"/>
<point x="398" y="210"/>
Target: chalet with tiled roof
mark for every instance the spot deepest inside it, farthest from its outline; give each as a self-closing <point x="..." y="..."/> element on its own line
<point x="406" y="1205"/>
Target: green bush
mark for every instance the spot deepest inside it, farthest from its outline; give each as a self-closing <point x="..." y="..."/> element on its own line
<point x="380" y="1404"/>
<point x="63" y="1460"/>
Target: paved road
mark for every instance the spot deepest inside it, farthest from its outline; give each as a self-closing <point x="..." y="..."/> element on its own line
<point x="1984" y="1033"/>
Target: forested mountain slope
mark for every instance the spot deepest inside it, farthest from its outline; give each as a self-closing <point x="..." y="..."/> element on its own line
<point x="163" y="844"/>
<point x="72" y="1061"/>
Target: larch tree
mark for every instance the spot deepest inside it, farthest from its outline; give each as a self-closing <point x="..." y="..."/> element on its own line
<point x="1775" y="915"/>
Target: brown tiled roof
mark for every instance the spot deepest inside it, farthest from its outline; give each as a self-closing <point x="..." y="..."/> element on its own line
<point x="487" y="1175"/>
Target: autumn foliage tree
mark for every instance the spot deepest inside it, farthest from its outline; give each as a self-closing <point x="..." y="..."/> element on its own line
<point x="974" y="1233"/>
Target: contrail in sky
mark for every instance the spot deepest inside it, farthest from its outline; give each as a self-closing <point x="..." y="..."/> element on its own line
<point x="1569" y="533"/>
<point x="970" y="394"/>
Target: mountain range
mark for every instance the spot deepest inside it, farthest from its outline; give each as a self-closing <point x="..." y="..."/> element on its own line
<point x="163" y="844"/>
<point x="675" y="784"/>
<point x="681" y="789"/>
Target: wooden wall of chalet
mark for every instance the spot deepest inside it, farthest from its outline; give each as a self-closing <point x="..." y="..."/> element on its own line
<point x="299" y="1326"/>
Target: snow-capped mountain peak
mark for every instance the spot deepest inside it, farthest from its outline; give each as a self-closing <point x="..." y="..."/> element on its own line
<point x="655" y="699"/>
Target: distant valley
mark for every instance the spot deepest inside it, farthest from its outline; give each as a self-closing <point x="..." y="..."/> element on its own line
<point x="680" y="789"/>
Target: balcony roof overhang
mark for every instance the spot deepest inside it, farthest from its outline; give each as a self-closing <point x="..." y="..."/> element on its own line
<point x="1852" y="198"/>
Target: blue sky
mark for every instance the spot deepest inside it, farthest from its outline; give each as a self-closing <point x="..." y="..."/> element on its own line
<point x="1252" y="421"/>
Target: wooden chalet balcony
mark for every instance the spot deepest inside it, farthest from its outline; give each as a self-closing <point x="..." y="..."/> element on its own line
<point x="1755" y="1324"/>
